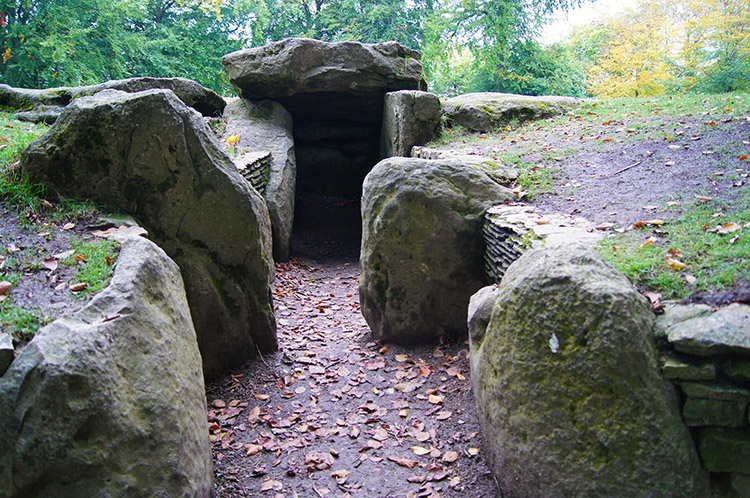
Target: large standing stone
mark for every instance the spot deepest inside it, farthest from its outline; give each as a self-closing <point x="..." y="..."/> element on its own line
<point x="410" y="118"/>
<point x="46" y="105"/>
<point x="155" y="158"/>
<point x="486" y="111"/>
<point x="570" y="396"/>
<point x="266" y="125"/>
<point x="422" y="246"/>
<point x="110" y="401"/>
<point x="334" y="92"/>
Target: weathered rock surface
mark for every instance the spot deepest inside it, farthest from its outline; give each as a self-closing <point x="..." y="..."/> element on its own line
<point x="110" y="401"/>
<point x="410" y="118"/>
<point x="155" y="158"/>
<point x="568" y="389"/>
<point x="721" y="332"/>
<point x="421" y="257"/>
<point x="266" y="125"/>
<point x="302" y="66"/>
<point x="497" y="170"/>
<point x="486" y="111"/>
<point x="335" y="93"/>
<point x="46" y="105"/>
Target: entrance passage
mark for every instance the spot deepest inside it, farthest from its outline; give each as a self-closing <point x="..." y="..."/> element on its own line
<point x="327" y="229"/>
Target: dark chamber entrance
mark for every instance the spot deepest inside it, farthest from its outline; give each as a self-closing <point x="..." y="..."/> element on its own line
<point x="327" y="229"/>
<point x="337" y="142"/>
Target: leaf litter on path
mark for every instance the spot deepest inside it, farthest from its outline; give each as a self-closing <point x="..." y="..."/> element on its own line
<point x="334" y="414"/>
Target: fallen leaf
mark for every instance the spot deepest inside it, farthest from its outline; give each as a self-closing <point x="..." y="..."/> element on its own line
<point x="436" y="399"/>
<point x="69" y="226"/>
<point x="443" y="415"/>
<point x="450" y="456"/>
<point x="729" y="228"/>
<point x="520" y="193"/>
<point x="253" y="449"/>
<point x="271" y="485"/>
<point x="604" y="226"/>
<point x="473" y="452"/>
<point x="262" y="397"/>
<point x="403" y="414"/>
<point x="5" y="287"/>
<point x="50" y="264"/>
<point x="340" y="476"/>
<point x="77" y="287"/>
<point x="690" y="279"/>
<point x="404" y="462"/>
<point x="703" y="198"/>
<point x="65" y="254"/>
<point x="650" y="241"/>
<point x="419" y="450"/>
<point x="675" y="264"/>
<point x="743" y="157"/>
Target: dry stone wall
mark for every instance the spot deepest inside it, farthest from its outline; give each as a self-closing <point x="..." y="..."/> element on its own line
<point x="706" y="354"/>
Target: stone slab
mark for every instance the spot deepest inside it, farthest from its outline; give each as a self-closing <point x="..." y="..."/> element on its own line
<point x="676" y="369"/>
<point x="725" y="450"/>
<point x="698" y="412"/>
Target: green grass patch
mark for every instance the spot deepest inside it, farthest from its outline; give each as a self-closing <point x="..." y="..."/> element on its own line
<point x="95" y="263"/>
<point x="716" y="260"/>
<point x="20" y="323"/>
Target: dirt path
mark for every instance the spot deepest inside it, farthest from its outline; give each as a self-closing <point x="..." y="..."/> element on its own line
<point x="334" y="415"/>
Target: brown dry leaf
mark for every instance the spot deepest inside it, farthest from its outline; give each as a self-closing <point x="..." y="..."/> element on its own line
<point x="676" y="264"/>
<point x="655" y="300"/>
<point x="262" y="397"/>
<point x="419" y="450"/>
<point x="425" y="370"/>
<point x="436" y="399"/>
<point x="472" y="452"/>
<point x="673" y="203"/>
<point x="450" y="456"/>
<point x="5" y="287"/>
<point x="218" y="403"/>
<point x="50" y="264"/>
<point x="254" y="416"/>
<point x="443" y="415"/>
<point x="655" y="222"/>
<point x="454" y="372"/>
<point x="650" y="241"/>
<point x="340" y="476"/>
<point x="403" y="413"/>
<point x="604" y="226"/>
<point x="375" y="445"/>
<point x="271" y="485"/>
<point x="690" y="279"/>
<point x="253" y="449"/>
<point x="728" y="228"/>
<point x="69" y="226"/>
<point x="703" y="198"/>
<point x="401" y="358"/>
<point x="520" y="193"/>
<point x="60" y="286"/>
<point x="404" y="462"/>
<point x="65" y="254"/>
<point x="78" y="286"/>
<point x="454" y="481"/>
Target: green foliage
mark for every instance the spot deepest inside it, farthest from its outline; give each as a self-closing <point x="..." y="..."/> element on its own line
<point x="74" y="42"/>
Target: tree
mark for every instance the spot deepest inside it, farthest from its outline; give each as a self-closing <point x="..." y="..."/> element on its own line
<point x="715" y="45"/>
<point x="71" y="42"/>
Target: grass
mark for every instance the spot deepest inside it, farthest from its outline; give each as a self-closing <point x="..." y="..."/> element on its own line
<point x="93" y="259"/>
<point x="19" y="322"/>
<point x="715" y="260"/>
<point x="94" y="263"/>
